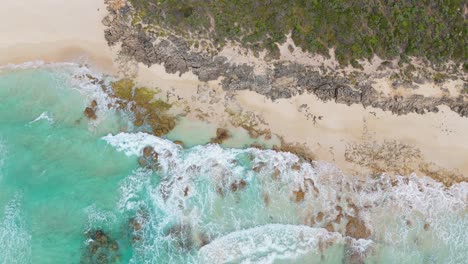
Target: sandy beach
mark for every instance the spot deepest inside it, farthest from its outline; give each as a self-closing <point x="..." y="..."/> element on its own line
<point x="54" y="31"/>
<point x="71" y="31"/>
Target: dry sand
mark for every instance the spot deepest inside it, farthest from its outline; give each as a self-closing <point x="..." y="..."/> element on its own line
<point x="58" y="31"/>
<point x="54" y="31"/>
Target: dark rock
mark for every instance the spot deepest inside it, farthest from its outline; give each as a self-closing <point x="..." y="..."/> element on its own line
<point x="299" y="195"/>
<point x="100" y="249"/>
<point x="221" y="135"/>
<point x="357" y="229"/>
<point x="179" y="142"/>
<point x="347" y="95"/>
<point x="175" y="55"/>
<point x="238" y="185"/>
<point x="148" y="152"/>
<point x="90" y="113"/>
<point x="182" y="235"/>
<point x="149" y="158"/>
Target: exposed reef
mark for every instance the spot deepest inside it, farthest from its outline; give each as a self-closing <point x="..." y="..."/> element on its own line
<point x="147" y="107"/>
<point x="100" y="248"/>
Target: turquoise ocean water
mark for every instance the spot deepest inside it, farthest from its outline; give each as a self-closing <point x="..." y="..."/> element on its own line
<point x="72" y="191"/>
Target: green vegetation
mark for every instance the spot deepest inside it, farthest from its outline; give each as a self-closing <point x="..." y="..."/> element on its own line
<point x="432" y="29"/>
<point x="147" y="108"/>
<point x="123" y="89"/>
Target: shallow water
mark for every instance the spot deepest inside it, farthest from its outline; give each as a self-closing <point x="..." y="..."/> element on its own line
<point x="63" y="177"/>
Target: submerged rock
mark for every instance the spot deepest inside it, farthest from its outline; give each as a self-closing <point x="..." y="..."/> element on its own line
<point x="90" y="111"/>
<point x="149" y="159"/>
<point x="180" y="143"/>
<point x="222" y="134"/>
<point x="238" y="185"/>
<point x="299" y="195"/>
<point x="186" y="238"/>
<point x="356" y="228"/>
<point x="93" y="104"/>
<point x="101" y="248"/>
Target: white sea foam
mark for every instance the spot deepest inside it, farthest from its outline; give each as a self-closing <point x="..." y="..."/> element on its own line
<point x="98" y="218"/>
<point x="76" y="76"/>
<point x="196" y="190"/>
<point x="130" y="189"/>
<point x="269" y="243"/>
<point x="23" y="66"/>
<point x="35" y="65"/>
<point x="3" y="154"/>
<point x="43" y="116"/>
<point x="15" y="241"/>
<point x="132" y="144"/>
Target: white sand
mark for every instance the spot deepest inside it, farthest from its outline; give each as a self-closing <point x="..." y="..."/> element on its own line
<point x="441" y="137"/>
<point x="54" y="31"/>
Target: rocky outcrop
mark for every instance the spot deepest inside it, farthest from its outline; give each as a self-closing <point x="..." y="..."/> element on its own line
<point x="145" y="46"/>
<point x="149" y="159"/>
<point x="221" y="135"/>
<point x="90" y="111"/>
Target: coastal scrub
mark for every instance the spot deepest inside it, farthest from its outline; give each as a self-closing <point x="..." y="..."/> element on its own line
<point x="357" y="29"/>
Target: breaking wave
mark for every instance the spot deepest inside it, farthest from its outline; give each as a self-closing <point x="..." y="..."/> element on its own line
<point x="215" y="200"/>
<point x="268" y="243"/>
<point x="3" y="153"/>
<point x="15" y="241"/>
<point x="43" y="116"/>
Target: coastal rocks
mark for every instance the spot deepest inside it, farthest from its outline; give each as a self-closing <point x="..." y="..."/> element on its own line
<point x="186" y="238"/>
<point x="447" y="177"/>
<point x="144" y="103"/>
<point x="136" y="225"/>
<point x="147" y="47"/>
<point x="299" y="195"/>
<point x="356" y="228"/>
<point x="300" y="150"/>
<point x="180" y="143"/>
<point x="90" y="111"/>
<point x="182" y="235"/>
<point x="347" y="95"/>
<point x="149" y="158"/>
<point x="100" y="248"/>
<point x="222" y="134"/>
<point x="386" y="156"/>
<point x="227" y="185"/>
<point x="237" y="185"/>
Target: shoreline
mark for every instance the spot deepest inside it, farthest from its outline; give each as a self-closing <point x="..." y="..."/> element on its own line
<point x="328" y="129"/>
